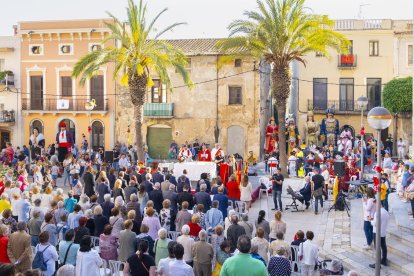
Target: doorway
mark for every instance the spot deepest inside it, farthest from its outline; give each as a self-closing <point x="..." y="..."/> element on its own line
<point x="70" y="127"/>
<point x="4" y="138"/>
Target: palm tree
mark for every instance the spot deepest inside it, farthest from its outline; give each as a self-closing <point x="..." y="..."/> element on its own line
<point x="282" y="31"/>
<point x="136" y="55"/>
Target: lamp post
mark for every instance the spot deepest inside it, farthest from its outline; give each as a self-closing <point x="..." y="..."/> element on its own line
<point x="362" y="103"/>
<point x="89" y="106"/>
<point x="379" y="118"/>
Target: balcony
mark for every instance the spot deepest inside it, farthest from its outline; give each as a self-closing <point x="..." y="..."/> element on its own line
<point x="62" y="105"/>
<point x="347" y="61"/>
<point x="341" y="107"/>
<point x="7" y="118"/>
<point x="159" y="110"/>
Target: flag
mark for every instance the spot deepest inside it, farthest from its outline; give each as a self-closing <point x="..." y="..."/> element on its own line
<point x="245" y="168"/>
<point x="335" y="189"/>
<point x="238" y="173"/>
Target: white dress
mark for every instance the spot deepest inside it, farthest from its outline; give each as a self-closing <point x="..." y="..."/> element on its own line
<point x="246" y="192"/>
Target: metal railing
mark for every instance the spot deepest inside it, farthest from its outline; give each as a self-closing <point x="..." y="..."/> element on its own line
<point x="7" y="116"/>
<point x="340" y="106"/>
<point x="158" y="109"/>
<point x="347" y="61"/>
<point x="62" y="105"/>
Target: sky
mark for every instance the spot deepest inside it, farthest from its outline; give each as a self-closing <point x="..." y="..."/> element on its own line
<point x="204" y="18"/>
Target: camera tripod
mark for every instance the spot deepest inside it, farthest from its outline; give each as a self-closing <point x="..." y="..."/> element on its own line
<point x="340" y="198"/>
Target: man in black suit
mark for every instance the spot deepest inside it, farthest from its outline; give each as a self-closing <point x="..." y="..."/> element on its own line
<point x="185" y="195"/>
<point x="173" y="180"/>
<point x="172" y="196"/>
<point x="156" y="196"/>
<point x="147" y="183"/>
<point x="182" y="181"/>
<point x="158" y="177"/>
<point x="89" y="182"/>
<point x="202" y="197"/>
<point x="306" y="192"/>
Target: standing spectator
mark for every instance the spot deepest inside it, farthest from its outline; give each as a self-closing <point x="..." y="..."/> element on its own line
<point x="116" y="221"/>
<point x="69" y="202"/>
<point x="179" y="266"/>
<point x="68" y="249"/>
<point x="235" y="231"/>
<point x="223" y="253"/>
<point x="233" y="189"/>
<point x="202" y="215"/>
<point x="317" y="183"/>
<point x="50" y="227"/>
<point x="165" y="185"/>
<point x="144" y="236"/>
<point x="140" y="263"/>
<point x="158" y="176"/>
<point x="183" y="216"/>
<point x="248" y="226"/>
<point x="255" y="255"/>
<point x="102" y="189"/>
<point x="81" y="230"/>
<point x="262" y="244"/>
<point x="223" y="201"/>
<point x="277" y="225"/>
<point x="172" y="196"/>
<point x="156" y="196"/>
<point x="368" y="205"/>
<point x="34" y="225"/>
<point x="202" y="255"/>
<point x="279" y="264"/>
<point x="165" y="216"/>
<point x="277" y="183"/>
<point x="128" y="191"/>
<point x="187" y="242"/>
<point x="136" y="225"/>
<point x="246" y="191"/>
<point x="217" y="239"/>
<point x="73" y="219"/>
<point x="127" y="242"/>
<point x="203" y="197"/>
<point x="161" y="245"/>
<point x="243" y="263"/>
<point x="142" y="196"/>
<point x="19" y="248"/>
<point x="194" y="227"/>
<point x="185" y="195"/>
<point x="90" y="224"/>
<point x="384" y="225"/>
<point x="60" y="211"/>
<point x="117" y="190"/>
<point x="134" y="205"/>
<point x="9" y="221"/>
<point x="147" y="183"/>
<point x="107" y="206"/>
<point x="89" y="182"/>
<point x="100" y="221"/>
<point x="263" y="223"/>
<point x="4" y="240"/>
<point x="279" y="242"/>
<point x="88" y="261"/>
<point x="152" y="222"/>
<point x="308" y="251"/>
<point x="108" y="244"/>
<point x="163" y="268"/>
<point x="49" y="253"/>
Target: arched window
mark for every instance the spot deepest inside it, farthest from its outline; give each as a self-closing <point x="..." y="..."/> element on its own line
<point x="36" y="124"/>
<point x="97" y="135"/>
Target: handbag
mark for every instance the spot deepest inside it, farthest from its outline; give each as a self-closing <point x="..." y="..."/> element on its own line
<point x="318" y="192"/>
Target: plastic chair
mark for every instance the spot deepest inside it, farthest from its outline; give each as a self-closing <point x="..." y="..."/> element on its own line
<point x="294" y="260"/>
<point x="241" y="207"/>
<point x="95" y="243"/>
<point x="173" y="235"/>
<point x="116" y="267"/>
<point x="352" y="188"/>
<point x="104" y="269"/>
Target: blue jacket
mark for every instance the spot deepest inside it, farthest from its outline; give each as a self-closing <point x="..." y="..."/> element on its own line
<point x="223" y="203"/>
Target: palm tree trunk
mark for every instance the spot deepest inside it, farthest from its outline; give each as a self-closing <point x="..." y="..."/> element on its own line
<point x="280" y="91"/>
<point x="137" y="89"/>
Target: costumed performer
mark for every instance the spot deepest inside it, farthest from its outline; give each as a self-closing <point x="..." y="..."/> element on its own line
<point x="292" y="134"/>
<point x="37" y="143"/>
<point x="272" y="138"/>
<point x="311" y="130"/>
<point x="64" y="140"/>
<point x="329" y="128"/>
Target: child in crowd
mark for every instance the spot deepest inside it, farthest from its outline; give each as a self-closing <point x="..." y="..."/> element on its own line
<point x="48" y="180"/>
<point x="55" y="173"/>
<point x="292" y="164"/>
<point x="76" y="187"/>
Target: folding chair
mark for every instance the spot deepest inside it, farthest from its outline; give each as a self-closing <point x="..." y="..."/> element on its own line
<point x="173" y="235"/>
<point x="116" y="268"/>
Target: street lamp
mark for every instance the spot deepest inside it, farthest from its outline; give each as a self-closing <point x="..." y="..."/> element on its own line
<point x="379" y="118"/>
<point x="362" y="103"/>
<point x="89" y="106"/>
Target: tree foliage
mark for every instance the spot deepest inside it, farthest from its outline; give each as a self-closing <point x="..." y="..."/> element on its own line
<point x="398" y="94"/>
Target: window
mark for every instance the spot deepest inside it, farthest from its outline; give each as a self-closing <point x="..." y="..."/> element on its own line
<point x="66" y="83"/>
<point x="94" y="47"/>
<point x="158" y="92"/>
<point x="65" y="49"/>
<point x="374" y="48"/>
<point x="35" y="50"/>
<point x="36" y="92"/>
<point x="320" y="93"/>
<point x="373" y="92"/>
<point x="97" y="91"/>
<point x="237" y="62"/>
<point x="235" y="95"/>
<point x="410" y="55"/>
<point x="346" y="94"/>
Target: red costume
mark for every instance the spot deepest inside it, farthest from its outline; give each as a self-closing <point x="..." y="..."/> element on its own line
<point x="204" y="155"/>
<point x="271" y="138"/>
<point x="233" y="190"/>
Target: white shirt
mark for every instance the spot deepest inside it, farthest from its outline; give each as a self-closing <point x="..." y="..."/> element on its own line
<point x="62" y="139"/>
<point x="384" y="222"/>
<point x="123" y="162"/>
<point x="325" y="175"/>
<point x="309" y="251"/>
<point x="164" y="266"/>
<point x="369" y="208"/>
<point x="88" y="263"/>
<point x="181" y="268"/>
<point x="400" y="145"/>
<point x="187" y="242"/>
<point x="214" y="152"/>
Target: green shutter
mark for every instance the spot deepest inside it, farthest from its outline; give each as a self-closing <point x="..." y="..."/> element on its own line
<point x="159" y="140"/>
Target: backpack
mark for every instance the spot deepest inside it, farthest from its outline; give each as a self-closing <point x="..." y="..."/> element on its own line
<point x="39" y="261"/>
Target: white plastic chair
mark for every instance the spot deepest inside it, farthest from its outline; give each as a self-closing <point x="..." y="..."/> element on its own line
<point x="241" y="207"/>
<point x="352" y="188"/>
<point x="294" y="260"/>
<point x="116" y="268"/>
<point x="104" y="269"/>
<point x="173" y="235"/>
<point x="95" y="243"/>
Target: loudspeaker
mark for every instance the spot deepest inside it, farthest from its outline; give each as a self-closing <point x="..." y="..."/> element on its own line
<point x="109" y="156"/>
<point x="339" y="168"/>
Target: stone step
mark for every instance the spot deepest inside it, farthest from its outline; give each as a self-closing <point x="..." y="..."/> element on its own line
<point x="400" y="235"/>
<point x="399" y="248"/>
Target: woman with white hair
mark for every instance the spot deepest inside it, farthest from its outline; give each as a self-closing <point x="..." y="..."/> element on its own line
<point x="161" y="245"/>
<point x="227" y="221"/>
<point x="187" y="242"/>
<point x="84" y="202"/>
<point x="66" y="270"/>
<point x="120" y="204"/>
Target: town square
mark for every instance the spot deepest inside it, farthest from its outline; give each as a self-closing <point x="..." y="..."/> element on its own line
<point x="206" y="138"/>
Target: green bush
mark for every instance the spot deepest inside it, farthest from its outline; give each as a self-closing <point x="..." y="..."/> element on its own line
<point x="398" y="94"/>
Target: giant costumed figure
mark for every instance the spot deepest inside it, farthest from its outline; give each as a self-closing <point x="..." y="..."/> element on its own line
<point x="311" y="130"/>
<point x="329" y="128"/>
<point x="292" y="134"/>
<point x="64" y="141"/>
<point x="272" y="138"/>
<point x="37" y="143"/>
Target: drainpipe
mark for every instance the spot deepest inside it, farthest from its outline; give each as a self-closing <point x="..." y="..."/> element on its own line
<point x="216" y="127"/>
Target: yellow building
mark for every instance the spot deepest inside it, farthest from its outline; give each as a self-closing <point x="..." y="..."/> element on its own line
<point x="339" y="80"/>
<point x="49" y="51"/>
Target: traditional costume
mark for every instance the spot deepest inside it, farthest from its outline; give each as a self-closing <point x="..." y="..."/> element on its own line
<point x="329" y="128"/>
<point x="272" y="138"/>
<point x="218" y="154"/>
<point x="204" y="154"/>
<point x="185" y="155"/>
<point x="64" y="140"/>
<point x="311" y="130"/>
<point x="346" y="138"/>
<point x="37" y="143"/>
<point x="292" y="135"/>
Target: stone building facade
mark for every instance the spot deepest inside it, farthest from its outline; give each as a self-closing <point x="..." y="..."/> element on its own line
<point x="224" y="105"/>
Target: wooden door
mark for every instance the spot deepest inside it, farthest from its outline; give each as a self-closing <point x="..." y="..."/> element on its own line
<point x="97" y="91"/>
<point x="36" y="92"/>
